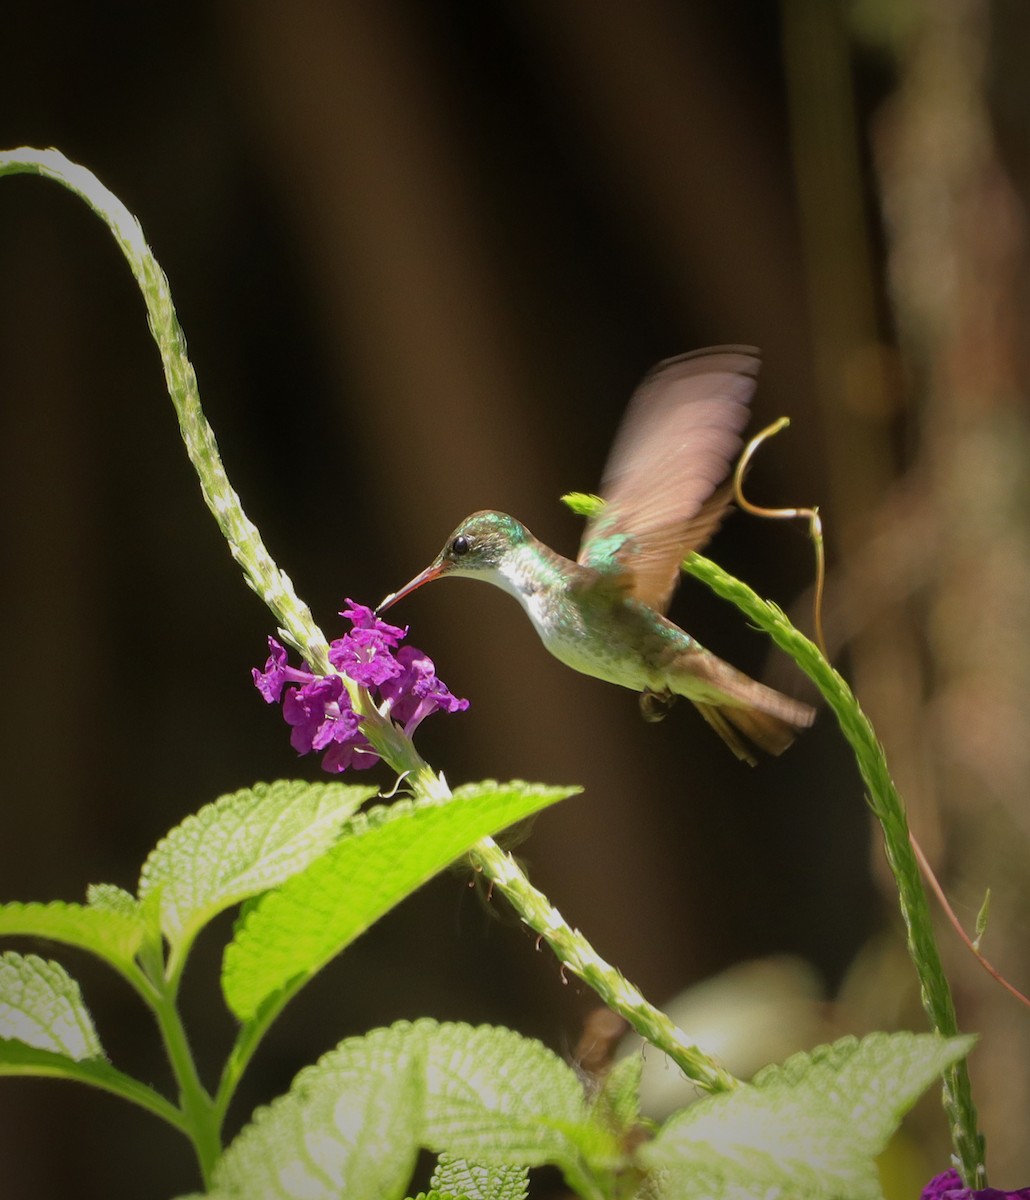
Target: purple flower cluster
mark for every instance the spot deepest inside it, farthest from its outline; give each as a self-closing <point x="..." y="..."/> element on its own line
<point x="949" y="1186"/>
<point x="318" y="707"/>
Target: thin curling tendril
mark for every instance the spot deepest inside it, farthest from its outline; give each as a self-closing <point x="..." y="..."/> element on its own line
<point x="815" y="525"/>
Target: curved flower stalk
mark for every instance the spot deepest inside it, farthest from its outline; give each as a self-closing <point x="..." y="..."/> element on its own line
<point x="385" y="737"/>
<point x="889" y="810"/>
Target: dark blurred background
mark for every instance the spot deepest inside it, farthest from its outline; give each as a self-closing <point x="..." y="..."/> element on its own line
<point x="422" y="254"/>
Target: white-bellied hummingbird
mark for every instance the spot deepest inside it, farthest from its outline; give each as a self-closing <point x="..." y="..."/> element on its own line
<point x="665" y="494"/>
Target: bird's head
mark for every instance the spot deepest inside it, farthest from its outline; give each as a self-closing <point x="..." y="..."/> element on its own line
<point x="477" y="548"/>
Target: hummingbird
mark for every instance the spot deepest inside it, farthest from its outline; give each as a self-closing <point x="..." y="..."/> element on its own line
<point x="666" y="492"/>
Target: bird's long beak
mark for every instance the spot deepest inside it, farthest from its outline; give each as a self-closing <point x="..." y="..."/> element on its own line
<point x="433" y="571"/>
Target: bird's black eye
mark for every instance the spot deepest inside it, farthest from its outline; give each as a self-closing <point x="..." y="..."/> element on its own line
<point x="461" y="545"/>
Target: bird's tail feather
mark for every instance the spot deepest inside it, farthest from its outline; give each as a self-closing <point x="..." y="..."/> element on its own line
<point x="742" y="711"/>
<point x="740" y="728"/>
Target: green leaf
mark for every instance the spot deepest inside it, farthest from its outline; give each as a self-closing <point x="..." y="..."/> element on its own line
<point x="617" y="1104"/>
<point x="476" y="1181"/>
<point x="806" y="1130"/>
<point x="19" y="1058"/>
<point x="112" y="935"/>
<point x="41" y="1005"/>
<point x="16" y="1058"/>
<point x="243" y="844"/>
<point x="384" y="856"/>
<point x="111" y="898"/>
<point x="352" y="1124"/>
<point x="349" y="1126"/>
<point x="496" y="1097"/>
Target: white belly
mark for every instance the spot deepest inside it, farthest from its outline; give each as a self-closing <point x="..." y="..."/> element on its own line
<point x="569" y="642"/>
<point x="558" y="621"/>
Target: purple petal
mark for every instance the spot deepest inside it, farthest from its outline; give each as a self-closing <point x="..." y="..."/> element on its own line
<point x="949" y="1186"/>
<point x="417" y="691"/>
<point x="269" y="682"/>
<point x="366" y="653"/>
<point x="337" y="727"/>
<point x="369" y="663"/>
<point x="310" y="708"/>
<point x="364" y="619"/>
<point x="357" y="754"/>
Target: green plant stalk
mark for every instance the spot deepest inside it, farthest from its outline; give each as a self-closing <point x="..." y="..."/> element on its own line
<point x="200" y="1121"/>
<point x="155" y="996"/>
<point x="248" y="1038"/>
<point x="889" y="810"/>
<point x="575" y="953"/>
<point x="299" y="628"/>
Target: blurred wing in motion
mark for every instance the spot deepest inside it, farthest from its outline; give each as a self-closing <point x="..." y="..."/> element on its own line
<point x="664" y="481"/>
